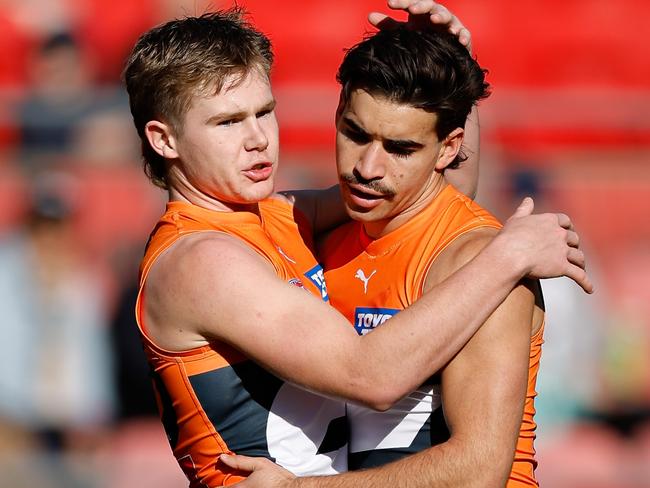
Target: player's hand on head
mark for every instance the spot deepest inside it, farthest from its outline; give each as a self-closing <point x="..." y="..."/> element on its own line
<point x="263" y="472"/>
<point x="422" y="14"/>
<point x="547" y="244"/>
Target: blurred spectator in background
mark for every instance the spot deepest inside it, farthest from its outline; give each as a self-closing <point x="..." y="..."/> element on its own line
<point x="55" y="369"/>
<point x="133" y="381"/>
<point x="61" y="107"/>
<point x="60" y="96"/>
<point x="569" y="379"/>
<point x="625" y="401"/>
<point x="594" y="379"/>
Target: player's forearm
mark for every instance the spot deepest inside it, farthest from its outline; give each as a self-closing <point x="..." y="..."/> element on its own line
<point x="449" y="465"/>
<point x="453" y="464"/>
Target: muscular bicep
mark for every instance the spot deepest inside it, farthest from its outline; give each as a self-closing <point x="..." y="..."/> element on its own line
<point x="484" y="386"/>
<point x="216" y="288"/>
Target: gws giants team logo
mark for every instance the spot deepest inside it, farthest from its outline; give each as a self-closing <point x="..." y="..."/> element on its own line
<point x="317" y="277"/>
<point x="362" y="276"/>
<point x="366" y="319"/>
<point x="296" y="282"/>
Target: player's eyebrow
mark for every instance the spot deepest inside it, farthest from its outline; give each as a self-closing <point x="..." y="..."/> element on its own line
<point x="269" y="106"/>
<point x="404" y="144"/>
<point x="219" y="116"/>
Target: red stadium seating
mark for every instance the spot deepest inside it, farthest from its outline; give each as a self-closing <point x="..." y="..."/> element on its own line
<point x="572" y="72"/>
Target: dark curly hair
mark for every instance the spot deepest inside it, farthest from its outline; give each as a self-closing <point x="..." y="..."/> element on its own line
<point x="426" y="69"/>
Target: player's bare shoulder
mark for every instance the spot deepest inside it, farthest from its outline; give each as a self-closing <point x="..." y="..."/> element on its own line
<point x="458" y="253"/>
<point x="191" y="284"/>
<point x="464" y="249"/>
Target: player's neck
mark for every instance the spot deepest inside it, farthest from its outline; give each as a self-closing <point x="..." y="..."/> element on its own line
<point x="209" y="202"/>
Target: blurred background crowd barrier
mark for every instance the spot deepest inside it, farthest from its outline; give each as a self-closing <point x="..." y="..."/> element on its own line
<point x="567" y="123"/>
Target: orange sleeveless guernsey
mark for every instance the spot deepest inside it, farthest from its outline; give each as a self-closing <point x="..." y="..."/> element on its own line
<point x="370" y="281"/>
<point x="212" y="399"/>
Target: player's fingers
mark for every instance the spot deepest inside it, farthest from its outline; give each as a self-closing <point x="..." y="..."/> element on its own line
<point x="580" y="276"/>
<point x="382" y="21"/>
<point x="375" y="18"/>
<point x="399" y="4"/>
<point x="438" y="15"/>
<point x="572" y="238"/>
<point x="418" y="7"/>
<point x="465" y="38"/>
<point x="577" y="257"/>
<point x="564" y="221"/>
<point x="441" y="15"/>
<point x="422" y="7"/>
<point x="525" y="208"/>
<point x="242" y="463"/>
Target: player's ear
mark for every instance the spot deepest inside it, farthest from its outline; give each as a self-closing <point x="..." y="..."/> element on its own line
<point x="450" y="147"/>
<point x="161" y="138"/>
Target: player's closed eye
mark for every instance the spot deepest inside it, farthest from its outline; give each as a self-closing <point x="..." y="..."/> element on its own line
<point x="397" y="151"/>
<point x="263" y="113"/>
<point x="228" y="122"/>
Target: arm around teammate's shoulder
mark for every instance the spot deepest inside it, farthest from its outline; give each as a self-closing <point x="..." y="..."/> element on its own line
<point x="211" y="287"/>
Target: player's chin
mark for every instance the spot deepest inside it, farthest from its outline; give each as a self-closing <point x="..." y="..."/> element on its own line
<point x="260" y="191"/>
<point x="361" y="213"/>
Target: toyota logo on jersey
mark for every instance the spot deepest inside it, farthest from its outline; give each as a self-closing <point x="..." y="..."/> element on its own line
<point x="366" y="319"/>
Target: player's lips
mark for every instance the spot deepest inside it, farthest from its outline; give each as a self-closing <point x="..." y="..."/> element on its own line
<point x="364" y="197"/>
<point x="259" y="171"/>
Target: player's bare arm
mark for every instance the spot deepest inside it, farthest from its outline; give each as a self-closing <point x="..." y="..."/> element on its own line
<point x="484" y="386"/>
<point x="483" y="390"/>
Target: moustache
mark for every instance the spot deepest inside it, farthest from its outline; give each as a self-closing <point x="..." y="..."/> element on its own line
<point x="373" y="185"/>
